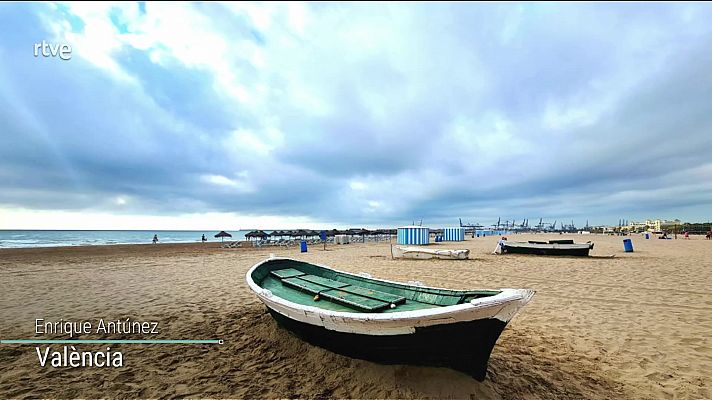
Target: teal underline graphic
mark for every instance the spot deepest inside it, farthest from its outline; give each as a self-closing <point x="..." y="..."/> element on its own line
<point x="128" y="341"/>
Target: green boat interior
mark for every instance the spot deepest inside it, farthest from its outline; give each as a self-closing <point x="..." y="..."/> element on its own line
<point x="311" y="285"/>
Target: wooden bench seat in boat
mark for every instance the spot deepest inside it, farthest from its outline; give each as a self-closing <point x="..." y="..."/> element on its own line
<point x="330" y="283"/>
<point x="350" y="295"/>
<point x="287" y="273"/>
<point x="353" y="289"/>
<point x="355" y="300"/>
<point x="375" y="294"/>
<point x="336" y="295"/>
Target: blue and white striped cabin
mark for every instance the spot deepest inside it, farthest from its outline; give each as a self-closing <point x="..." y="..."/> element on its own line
<point x="413" y="235"/>
<point x="453" y="234"/>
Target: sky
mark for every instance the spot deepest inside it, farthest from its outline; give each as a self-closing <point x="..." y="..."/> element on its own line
<point x="312" y="115"/>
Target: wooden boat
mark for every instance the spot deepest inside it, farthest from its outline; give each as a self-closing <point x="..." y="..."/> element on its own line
<point x="384" y="321"/>
<point x="424" y="253"/>
<point x="564" y="247"/>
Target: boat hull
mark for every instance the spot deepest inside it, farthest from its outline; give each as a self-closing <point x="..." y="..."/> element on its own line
<point x="548" y="250"/>
<point x="420" y="253"/>
<point x="450" y="328"/>
<point x="463" y="346"/>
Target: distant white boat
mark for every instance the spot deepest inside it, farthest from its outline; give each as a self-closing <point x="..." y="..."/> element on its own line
<point x="424" y="253"/>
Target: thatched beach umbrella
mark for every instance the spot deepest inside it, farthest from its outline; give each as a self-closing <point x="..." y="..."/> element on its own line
<point x="222" y="235"/>
<point x="359" y="232"/>
<point x="298" y="233"/>
<point x="256" y="234"/>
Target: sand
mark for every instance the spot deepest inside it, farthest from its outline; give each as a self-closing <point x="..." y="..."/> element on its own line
<point x="636" y="326"/>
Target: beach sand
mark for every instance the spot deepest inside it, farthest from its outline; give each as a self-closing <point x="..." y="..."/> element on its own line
<point x="636" y="326"/>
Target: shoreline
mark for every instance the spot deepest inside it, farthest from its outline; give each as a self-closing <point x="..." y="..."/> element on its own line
<point x="113" y="249"/>
<point x="100" y="245"/>
<point x="213" y="243"/>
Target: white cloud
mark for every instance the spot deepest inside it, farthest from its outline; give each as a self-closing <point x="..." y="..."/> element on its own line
<point x="20" y="218"/>
<point x="356" y="185"/>
<point x="241" y="185"/>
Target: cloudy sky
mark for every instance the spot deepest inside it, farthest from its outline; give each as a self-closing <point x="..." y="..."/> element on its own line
<point x="213" y="116"/>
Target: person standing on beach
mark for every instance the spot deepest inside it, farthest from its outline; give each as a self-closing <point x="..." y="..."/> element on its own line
<point x="203" y="239"/>
<point x="155" y="239"/>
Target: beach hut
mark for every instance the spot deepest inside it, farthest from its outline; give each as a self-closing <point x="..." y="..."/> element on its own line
<point x="453" y="234"/>
<point x="413" y="235"/>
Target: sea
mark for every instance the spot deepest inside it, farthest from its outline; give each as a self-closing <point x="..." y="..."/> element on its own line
<point x="52" y="238"/>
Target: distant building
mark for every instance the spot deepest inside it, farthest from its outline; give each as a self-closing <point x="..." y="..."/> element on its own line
<point x="651" y="225"/>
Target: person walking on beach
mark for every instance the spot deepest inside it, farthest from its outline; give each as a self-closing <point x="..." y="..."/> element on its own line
<point x="155" y="239"/>
<point x="500" y="245"/>
<point x="203" y="239"/>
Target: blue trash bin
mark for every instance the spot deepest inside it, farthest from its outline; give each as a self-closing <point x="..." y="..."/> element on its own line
<point x="647" y="236"/>
<point x="628" y="245"/>
<point x="304" y="246"/>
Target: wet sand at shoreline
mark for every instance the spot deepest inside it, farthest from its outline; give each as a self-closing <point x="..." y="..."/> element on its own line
<point x="635" y="326"/>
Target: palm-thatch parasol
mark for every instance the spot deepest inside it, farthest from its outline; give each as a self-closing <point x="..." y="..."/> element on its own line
<point x="298" y="233"/>
<point x="256" y="234"/>
<point x="222" y="235"/>
<point x="359" y="232"/>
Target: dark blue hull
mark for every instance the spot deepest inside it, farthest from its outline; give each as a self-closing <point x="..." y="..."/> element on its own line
<point x="550" y="251"/>
<point x="463" y="346"/>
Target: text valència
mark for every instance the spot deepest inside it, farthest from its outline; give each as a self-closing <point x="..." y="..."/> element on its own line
<point x="71" y="357"/>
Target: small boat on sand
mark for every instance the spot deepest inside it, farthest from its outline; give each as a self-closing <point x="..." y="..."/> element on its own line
<point x="424" y="253"/>
<point x="565" y="247"/>
<point x="385" y="321"/>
